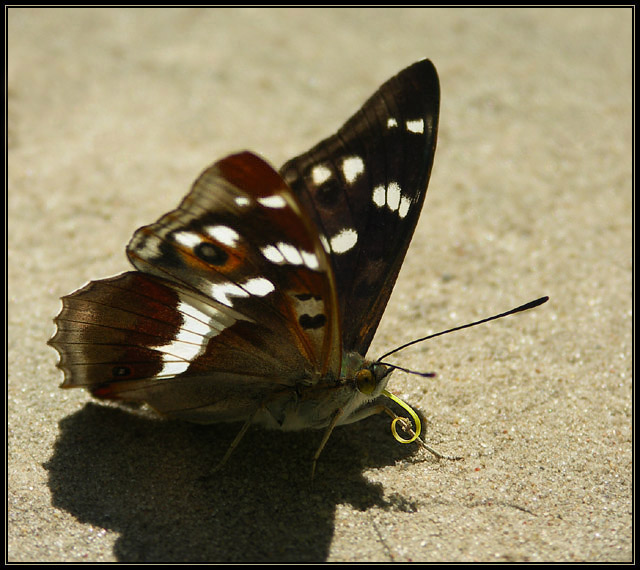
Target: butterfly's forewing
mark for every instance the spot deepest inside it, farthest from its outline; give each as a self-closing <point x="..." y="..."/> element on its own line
<point x="365" y="187"/>
<point x="235" y="298"/>
<point x="240" y="237"/>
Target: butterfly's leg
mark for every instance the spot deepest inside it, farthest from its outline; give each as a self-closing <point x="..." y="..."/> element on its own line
<point x="325" y="438"/>
<point x="359" y="415"/>
<point x="235" y="442"/>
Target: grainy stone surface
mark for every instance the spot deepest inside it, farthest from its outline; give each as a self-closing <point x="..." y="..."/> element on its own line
<point x="112" y="115"/>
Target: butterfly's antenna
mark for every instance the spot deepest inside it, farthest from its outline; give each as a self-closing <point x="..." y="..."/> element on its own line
<point x="407" y="370"/>
<point x="519" y="309"/>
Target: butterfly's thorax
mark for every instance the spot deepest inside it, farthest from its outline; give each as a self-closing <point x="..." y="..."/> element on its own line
<point x="305" y="406"/>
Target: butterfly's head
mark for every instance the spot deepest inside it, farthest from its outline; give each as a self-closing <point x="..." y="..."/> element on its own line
<point x="372" y="379"/>
<point x="369" y="378"/>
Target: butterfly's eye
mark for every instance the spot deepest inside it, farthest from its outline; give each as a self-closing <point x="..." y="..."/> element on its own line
<point x="365" y="381"/>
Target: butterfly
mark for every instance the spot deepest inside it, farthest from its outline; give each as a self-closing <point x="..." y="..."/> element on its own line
<point x="256" y="300"/>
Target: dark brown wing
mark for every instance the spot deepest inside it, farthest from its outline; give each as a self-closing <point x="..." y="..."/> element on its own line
<point x="365" y="187"/>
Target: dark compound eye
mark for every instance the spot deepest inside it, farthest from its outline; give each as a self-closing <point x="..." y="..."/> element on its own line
<point x="211" y="253"/>
<point x="366" y="381"/>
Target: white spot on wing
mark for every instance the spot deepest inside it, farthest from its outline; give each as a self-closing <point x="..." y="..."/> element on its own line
<point x="192" y="337"/>
<point x="275" y="201"/>
<point x="391" y="122"/>
<point x="222" y="292"/>
<point x="286" y="253"/>
<point x="393" y="196"/>
<point x="379" y="196"/>
<point x="320" y="174"/>
<point x="188" y="239"/>
<point x="344" y="240"/>
<point x="290" y="253"/>
<point x="242" y="201"/>
<point x="272" y="253"/>
<point x="259" y="286"/>
<point x="223" y="234"/>
<point x="416" y="126"/>
<point x="310" y="259"/>
<point x="405" y="204"/>
<point x="171" y="367"/>
<point x="352" y="167"/>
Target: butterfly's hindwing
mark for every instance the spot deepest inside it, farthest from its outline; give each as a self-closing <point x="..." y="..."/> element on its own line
<point x="365" y="187"/>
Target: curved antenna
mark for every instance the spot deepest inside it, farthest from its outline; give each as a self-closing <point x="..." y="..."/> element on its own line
<point x="525" y="307"/>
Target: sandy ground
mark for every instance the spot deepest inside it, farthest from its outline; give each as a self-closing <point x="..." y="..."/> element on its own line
<point x="112" y="114"/>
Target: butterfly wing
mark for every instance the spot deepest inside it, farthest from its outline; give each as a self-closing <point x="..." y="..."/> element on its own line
<point x="365" y="186"/>
<point x="235" y="296"/>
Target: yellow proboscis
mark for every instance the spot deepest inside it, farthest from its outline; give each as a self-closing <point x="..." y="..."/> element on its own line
<point x="414" y="416"/>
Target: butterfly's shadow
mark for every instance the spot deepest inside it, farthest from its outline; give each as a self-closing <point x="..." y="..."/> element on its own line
<point x="150" y="482"/>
